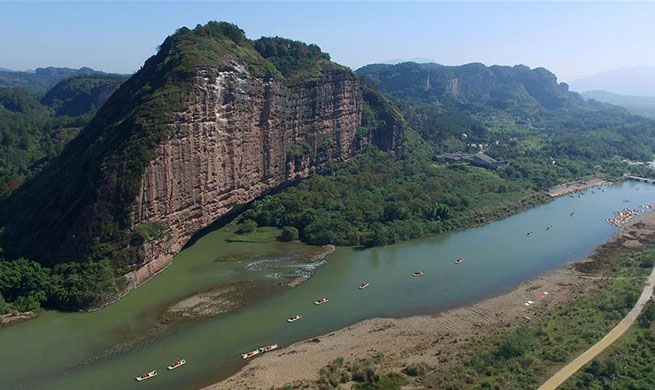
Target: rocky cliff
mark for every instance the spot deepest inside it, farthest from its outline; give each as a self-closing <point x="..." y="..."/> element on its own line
<point x="210" y="123"/>
<point x="238" y="138"/>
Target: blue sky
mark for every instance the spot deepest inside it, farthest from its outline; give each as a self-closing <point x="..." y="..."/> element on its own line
<point x="571" y="39"/>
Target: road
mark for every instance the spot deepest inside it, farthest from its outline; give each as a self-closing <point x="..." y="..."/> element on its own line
<point x="565" y="373"/>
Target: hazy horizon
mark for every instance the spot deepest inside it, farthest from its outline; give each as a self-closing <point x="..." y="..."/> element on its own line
<point x="573" y="40"/>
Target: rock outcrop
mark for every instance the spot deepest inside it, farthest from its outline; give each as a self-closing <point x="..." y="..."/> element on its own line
<point x="239" y="138"/>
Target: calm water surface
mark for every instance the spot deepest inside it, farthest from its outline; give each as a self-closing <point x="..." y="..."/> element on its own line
<point x="107" y="349"/>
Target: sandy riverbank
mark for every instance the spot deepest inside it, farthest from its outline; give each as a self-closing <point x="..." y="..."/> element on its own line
<point x="430" y="340"/>
<point x="576" y="186"/>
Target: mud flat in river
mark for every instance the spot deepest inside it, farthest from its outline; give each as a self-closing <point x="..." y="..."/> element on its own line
<point x="424" y="339"/>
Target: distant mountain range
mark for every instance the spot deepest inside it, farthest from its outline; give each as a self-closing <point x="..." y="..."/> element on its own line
<point x="40" y="80"/>
<point x="640" y="105"/>
<point x="418" y="60"/>
<point x="634" y="81"/>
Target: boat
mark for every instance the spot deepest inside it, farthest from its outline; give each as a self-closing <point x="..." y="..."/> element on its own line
<point x="294" y="318"/>
<point x="572" y="214"/>
<point x="320" y="301"/>
<point x="363" y="286"/>
<point x="418" y="273"/>
<point x="268" y="348"/>
<point x="528" y="234"/>
<point x="176" y="364"/>
<point x="459" y="260"/>
<point x="146" y="375"/>
<point x="549" y="227"/>
<point x="250" y="354"/>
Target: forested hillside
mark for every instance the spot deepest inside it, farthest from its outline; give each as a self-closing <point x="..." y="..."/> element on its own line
<point x="546" y="133"/>
<point x="34" y="131"/>
<point x="39" y="81"/>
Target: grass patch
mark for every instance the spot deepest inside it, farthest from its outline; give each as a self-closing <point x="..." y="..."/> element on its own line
<point x="259" y="235"/>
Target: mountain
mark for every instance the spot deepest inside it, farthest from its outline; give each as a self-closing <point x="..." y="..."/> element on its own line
<point x="639" y="105"/>
<point x="498" y="86"/>
<point x="635" y="81"/>
<point x="209" y="123"/>
<point x="42" y="79"/>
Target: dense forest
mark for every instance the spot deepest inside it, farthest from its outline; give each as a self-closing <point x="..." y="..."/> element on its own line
<point x="377" y="200"/>
<point x="33" y="131"/>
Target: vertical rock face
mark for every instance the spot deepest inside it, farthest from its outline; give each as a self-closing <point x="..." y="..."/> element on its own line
<point x="239" y="137"/>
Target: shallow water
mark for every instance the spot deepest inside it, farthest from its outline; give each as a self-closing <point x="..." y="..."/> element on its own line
<point x="68" y="350"/>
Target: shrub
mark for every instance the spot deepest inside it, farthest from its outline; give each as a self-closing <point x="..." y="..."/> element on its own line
<point x="246" y="226"/>
<point x="289" y="233"/>
<point x="515" y="343"/>
<point x="4" y="307"/>
<point x="414" y="370"/>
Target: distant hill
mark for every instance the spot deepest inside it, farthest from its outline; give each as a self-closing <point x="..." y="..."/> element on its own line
<point x="33" y="132"/>
<point x="502" y="87"/>
<point x="635" y="81"/>
<point x="81" y="94"/>
<point x="418" y="60"/>
<point x="639" y="105"/>
<point x="42" y="79"/>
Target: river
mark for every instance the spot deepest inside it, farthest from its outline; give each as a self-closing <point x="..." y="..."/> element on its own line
<point x="108" y="348"/>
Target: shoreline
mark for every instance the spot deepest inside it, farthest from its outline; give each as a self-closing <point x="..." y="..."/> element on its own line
<point x="423" y="339"/>
<point x="576" y="186"/>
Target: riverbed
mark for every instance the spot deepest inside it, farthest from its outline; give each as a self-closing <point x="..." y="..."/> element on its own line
<point x="107" y="349"/>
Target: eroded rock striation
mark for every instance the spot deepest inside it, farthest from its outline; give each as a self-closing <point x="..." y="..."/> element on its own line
<point x="240" y="137"/>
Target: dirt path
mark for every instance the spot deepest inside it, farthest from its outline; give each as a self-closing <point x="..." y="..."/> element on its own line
<point x="565" y="373"/>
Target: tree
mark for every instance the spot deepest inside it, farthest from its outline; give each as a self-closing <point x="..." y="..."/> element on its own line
<point x="289" y="233"/>
<point x="648" y="315"/>
<point x="246" y="226"/>
<point x="4" y="307"/>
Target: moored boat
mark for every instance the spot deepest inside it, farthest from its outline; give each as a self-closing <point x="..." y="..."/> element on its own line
<point x="268" y="348"/>
<point x="176" y="364"/>
<point x="418" y="273"/>
<point x="320" y="301"/>
<point x="363" y="285"/>
<point x="294" y="318"/>
<point x="146" y="375"/>
<point x="250" y="354"/>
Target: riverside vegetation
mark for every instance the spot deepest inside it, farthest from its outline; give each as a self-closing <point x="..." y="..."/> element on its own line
<point x="545" y="133"/>
<point x="521" y="355"/>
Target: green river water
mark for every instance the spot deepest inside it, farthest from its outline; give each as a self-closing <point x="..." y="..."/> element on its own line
<point x="108" y="348"/>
